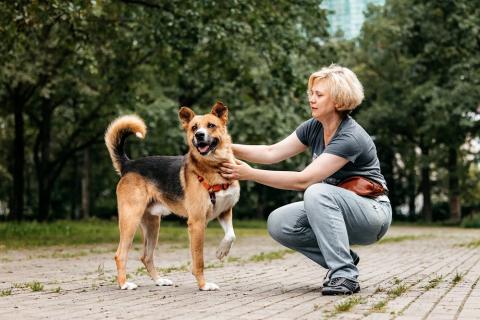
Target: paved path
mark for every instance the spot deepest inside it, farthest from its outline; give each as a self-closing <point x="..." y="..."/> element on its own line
<point x="414" y="273"/>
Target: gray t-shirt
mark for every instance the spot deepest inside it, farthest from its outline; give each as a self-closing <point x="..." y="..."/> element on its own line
<point x="351" y="142"/>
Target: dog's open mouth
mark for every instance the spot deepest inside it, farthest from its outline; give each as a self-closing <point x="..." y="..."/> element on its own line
<point x="205" y="147"/>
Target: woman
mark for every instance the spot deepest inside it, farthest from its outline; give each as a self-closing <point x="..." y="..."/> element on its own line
<point x="330" y="218"/>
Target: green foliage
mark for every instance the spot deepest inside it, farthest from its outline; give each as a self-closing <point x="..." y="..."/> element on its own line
<point x="471" y="222"/>
<point x="72" y="66"/>
<point x="419" y="61"/>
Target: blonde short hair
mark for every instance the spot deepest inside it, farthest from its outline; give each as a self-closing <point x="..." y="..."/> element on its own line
<point x="344" y="86"/>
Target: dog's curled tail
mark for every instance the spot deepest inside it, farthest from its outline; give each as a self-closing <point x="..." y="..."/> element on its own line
<point x="116" y="134"/>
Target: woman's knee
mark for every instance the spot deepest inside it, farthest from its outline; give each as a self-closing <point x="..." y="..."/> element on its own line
<point x="318" y="194"/>
<point x="274" y="224"/>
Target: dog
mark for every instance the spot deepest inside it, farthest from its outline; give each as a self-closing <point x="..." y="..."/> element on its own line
<point x="189" y="186"/>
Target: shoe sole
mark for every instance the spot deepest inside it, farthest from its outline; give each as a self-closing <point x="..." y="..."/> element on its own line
<point x="339" y="293"/>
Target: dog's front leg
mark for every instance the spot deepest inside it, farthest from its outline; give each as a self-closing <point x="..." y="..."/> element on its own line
<point x="196" y="231"/>
<point x="225" y="220"/>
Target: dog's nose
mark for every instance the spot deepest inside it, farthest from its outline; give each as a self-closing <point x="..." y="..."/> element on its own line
<point x="200" y="135"/>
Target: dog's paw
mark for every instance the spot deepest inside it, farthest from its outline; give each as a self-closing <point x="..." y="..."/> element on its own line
<point x="210" y="286"/>
<point x="163" y="282"/>
<point x="129" y="286"/>
<point x="224" y="248"/>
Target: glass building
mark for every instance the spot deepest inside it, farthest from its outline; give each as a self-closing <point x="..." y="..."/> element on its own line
<point x="347" y="15"/>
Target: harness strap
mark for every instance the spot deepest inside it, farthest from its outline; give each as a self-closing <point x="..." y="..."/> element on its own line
<point x="212" y="188"/>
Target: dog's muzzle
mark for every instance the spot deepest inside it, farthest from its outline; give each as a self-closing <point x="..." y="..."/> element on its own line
<point x="204" y="143"/>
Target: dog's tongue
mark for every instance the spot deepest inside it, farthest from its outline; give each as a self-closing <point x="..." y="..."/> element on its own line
<point x="203" y="149"/>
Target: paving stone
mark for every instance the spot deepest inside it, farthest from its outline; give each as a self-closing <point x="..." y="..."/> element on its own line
<point x="287" y="288"/>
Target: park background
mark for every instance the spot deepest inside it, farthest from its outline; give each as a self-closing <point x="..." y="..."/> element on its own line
<point x="68" y="68"/>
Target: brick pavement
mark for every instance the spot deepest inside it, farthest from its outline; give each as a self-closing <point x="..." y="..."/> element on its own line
<point x="415" y="273"/>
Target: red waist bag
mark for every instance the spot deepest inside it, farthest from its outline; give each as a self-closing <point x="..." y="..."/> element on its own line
<point x="363" y="187"/>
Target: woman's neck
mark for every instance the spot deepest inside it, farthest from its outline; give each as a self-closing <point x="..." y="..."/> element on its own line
<point x="330" y="124"/>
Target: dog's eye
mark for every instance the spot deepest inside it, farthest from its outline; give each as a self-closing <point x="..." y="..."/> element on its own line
<point x="194" y="128"/>
<point x="211" y="125"/>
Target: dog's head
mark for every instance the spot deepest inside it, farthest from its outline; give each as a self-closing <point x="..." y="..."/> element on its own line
<point x="206" y="133"/>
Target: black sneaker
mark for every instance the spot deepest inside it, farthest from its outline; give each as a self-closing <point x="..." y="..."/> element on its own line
<point x="340" y="286"/>
<point x="356" y="260"/>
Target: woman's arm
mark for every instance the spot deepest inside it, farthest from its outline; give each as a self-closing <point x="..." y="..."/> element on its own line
<point x="264" y="154"/>
<point x="321" y="168"/>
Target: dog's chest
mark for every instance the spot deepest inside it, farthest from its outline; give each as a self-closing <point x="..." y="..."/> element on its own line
<point x="225" y="199"/>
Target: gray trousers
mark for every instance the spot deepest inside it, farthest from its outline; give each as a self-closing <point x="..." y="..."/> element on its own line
<point x="327" y="222"/>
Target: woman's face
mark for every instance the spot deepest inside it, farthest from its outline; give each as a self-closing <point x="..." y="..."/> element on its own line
<point x="321" y="103"/>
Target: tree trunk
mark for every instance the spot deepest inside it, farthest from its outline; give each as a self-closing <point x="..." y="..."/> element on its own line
<point x="412" y="188"/>
<point x="86" y="174"/>
<point x="44" y="198"/>
<point x="454" y="186"/>
<point x="42" y="165"/>
<point x="426" y="186"/>
<point x="18" y="163"/>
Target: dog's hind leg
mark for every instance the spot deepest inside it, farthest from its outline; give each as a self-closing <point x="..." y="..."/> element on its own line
<point x="225" y="220"/>
<point x="131" y="207"/>
<point x="150" y="225"/>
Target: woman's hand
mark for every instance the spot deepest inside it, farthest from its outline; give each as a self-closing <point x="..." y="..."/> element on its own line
<point x="238" y="171"/>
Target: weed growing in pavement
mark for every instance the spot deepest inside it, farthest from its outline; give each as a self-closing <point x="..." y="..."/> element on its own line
<point x="458" y="277"/>
<point x="379" y="306"/>
<point x="5" y="292"/>
<point x="432" y="283"/>
<point x="35" y="286"/>
<point x="269" y="256"/>
<point x="397" y="291"/>
<point x="348" y="304"/>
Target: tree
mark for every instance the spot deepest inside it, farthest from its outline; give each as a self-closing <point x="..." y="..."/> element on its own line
<point x="68" y="67"/>
<point x="420" y="60"/>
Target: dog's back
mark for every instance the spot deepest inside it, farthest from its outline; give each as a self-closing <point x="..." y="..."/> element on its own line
<point x="162" y="171"/>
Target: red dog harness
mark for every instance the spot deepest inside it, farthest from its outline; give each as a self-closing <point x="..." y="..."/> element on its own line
<point x="212" y="188"/>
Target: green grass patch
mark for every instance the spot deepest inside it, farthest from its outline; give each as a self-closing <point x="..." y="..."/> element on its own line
<point x="379" y="306"/>
<point x="394" y="239"/>
<point x="348" y="304"/>
<point x="432" y="283"/>
<point x="471" y="244"/>
<point x="269" y="256"/>
<point x="14" y="235"/>
<point x="397" y="291"/>
<point x="5" y="292"/>
<point x="57" y="290"/>
<point x="35" y="286"/>
<point x="166" y="270"/>
<point x="457" y="278"/>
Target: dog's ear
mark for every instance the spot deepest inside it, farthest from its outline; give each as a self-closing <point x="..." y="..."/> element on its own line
<point x="185" y="114"/>
<point x="221" y="111"/>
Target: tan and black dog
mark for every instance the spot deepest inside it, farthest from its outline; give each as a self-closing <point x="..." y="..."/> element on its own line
<point x="189" y="186"/>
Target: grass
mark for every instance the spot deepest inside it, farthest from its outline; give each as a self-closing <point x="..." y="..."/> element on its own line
<point x="457" y="278"/>
<point x="35" y="286"/>
<point x="404" y="238"/>
<point x="5" y="292"/>
<point x="432" y="283"/>
<point x="471" y="244"/>
<point x="14" y="235"/>
<point x="269" y="256"/>
<point x="348" y="304"/>
<point x="379" y="290"/>
<point x="379" y="306"/>
<point x="397" y="291"/>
